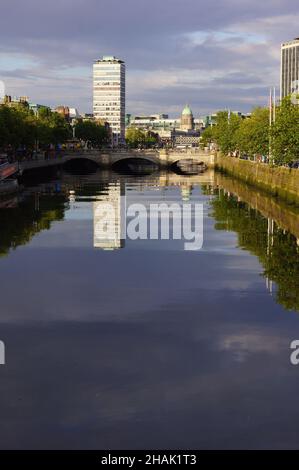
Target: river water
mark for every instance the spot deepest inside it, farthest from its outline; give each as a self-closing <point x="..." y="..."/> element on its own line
<point x="142" y="343"/>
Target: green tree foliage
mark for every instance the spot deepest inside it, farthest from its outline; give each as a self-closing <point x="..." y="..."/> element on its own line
<point x="252" y="137"/>
<point x="20" y="126"/>
<point x="91" y="132"/>
<point x="53" y="127"/>
<point x="208" y="136"/>
<point x="17" y="126"/>
<point x="224" y="132"/>
<point x="137" y="137"/>
<point x="285" y="133"/>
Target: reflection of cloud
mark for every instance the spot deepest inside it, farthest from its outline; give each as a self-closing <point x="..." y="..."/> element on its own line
<point x="245" y="344"/>
<point x="129" y="384"/>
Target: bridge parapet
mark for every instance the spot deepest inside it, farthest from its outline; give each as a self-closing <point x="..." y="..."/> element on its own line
<point x="110" y="157"/>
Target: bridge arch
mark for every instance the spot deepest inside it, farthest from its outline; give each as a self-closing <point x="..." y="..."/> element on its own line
<point x="191" y="160"/>
<point x="81" y="164"/>
<point x="151" y="158"/>
<point x="188" y="166"/>
<point x="173" y="157"/>
<point x="136" y="165"/>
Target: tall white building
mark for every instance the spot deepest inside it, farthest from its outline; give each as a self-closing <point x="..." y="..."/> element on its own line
<point x="289" y="67"/>
<point x="109" y="82"/>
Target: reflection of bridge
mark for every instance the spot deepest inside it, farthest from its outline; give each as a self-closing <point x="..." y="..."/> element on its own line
<point x="158" y="179"/>
<point x="106" y="158"/>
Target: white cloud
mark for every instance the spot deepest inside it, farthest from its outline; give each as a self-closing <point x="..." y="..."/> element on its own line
<point x="180" y="55"/>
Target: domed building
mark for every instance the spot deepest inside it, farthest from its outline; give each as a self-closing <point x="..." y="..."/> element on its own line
<point x="187" y="120"/>
<point x="187" y="135"/>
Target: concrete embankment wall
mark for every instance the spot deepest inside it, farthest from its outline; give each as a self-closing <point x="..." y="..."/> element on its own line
<point x="280" y="181"/>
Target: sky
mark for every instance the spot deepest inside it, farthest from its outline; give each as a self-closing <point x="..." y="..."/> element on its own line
<point x="215" y="54"/>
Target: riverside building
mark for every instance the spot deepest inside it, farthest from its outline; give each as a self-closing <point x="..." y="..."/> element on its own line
<point x="109" y="95"/>
<point x="184" y="130"/>
<point x="289" y="75"/>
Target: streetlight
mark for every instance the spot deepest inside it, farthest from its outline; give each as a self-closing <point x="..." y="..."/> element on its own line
<point x="73" y="124"/>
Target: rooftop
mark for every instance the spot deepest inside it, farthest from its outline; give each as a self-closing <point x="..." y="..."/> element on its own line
<point x="109" y="58"/>
<point x="187" y="111"/>
<point x="290" y="43"/>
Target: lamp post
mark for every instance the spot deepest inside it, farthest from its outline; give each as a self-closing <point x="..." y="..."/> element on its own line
<point x="272" y="119"/>
<point x="73" y="124"/>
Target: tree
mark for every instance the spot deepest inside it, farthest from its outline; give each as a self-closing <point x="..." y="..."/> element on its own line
<point x="19" y="126"/>
<point x="285" y="133"/>
<point x="252" y="137"/>
<point x="207" y="136"/>
<point x="60" y="129"/>
<point x="136" y="137"/>
<point x="91" y="132"/>
<point x="224" y="132"/>
<point x="6" y="124"/>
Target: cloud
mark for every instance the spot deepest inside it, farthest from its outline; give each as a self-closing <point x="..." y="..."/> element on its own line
<point x="175" y="51"/>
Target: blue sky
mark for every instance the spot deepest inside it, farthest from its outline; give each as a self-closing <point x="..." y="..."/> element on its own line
<point x="213" y="55"/>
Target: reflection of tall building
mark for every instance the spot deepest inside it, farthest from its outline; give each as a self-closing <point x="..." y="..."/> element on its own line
<point x="186" y="191"/>
<point x="108" y="218"/>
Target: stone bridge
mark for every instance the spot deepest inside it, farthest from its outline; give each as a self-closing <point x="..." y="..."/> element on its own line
<point x="162" y="158"/>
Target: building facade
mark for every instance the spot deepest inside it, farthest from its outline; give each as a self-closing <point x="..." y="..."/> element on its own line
<point x="109" y="95"/>
<point x="161" y="123"/>
<point x="64" y="111"/>
<point x="35" y="107"/>
<point x="289" y="75"/>
<point x="187" y="120"/>
<point x="181" y="131"/>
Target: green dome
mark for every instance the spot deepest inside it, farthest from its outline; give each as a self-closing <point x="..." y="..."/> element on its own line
<point x="187" y="111"/>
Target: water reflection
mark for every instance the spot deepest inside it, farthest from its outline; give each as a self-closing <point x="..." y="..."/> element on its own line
<point x="109" y="205"/>
<point x="21" y="218"/>
<point x="147" y="346"/>
<point x="267" y="228"/>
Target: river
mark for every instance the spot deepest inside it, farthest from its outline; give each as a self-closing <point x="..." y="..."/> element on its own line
<point x="141" y="343"/>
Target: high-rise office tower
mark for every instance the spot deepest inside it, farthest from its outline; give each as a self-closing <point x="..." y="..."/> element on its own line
<point x="289" y="75"/>
<point x="109" y="81"/>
